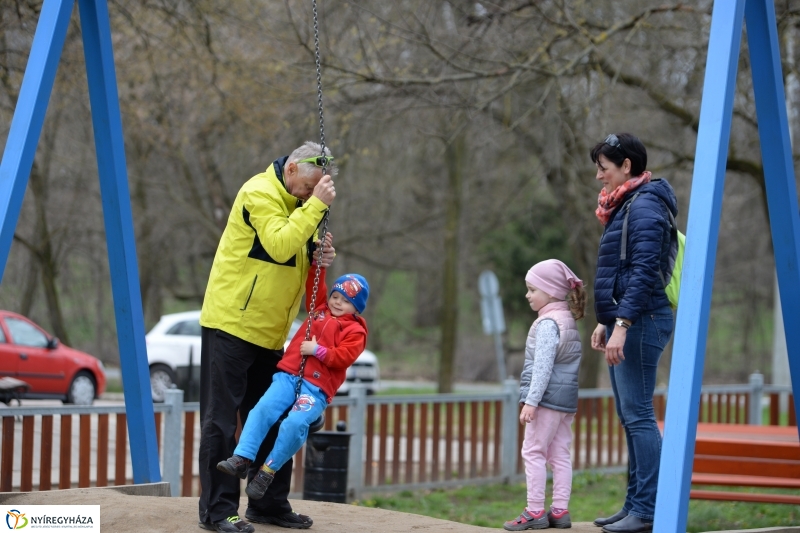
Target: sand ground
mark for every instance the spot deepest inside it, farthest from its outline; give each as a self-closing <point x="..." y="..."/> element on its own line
<point x="123" y="513"/>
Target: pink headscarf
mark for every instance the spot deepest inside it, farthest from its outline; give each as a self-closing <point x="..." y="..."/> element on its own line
<point x="553" y="277"/>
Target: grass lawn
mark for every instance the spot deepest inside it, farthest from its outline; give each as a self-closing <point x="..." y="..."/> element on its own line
<point x="114" y="385"/>
<point x="593" y="495"/>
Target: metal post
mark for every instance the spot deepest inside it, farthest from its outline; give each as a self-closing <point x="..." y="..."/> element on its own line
<point x="26" y="124"/>
<point x="691" y="326"/>
<point x="776" y="155"/>
<point x="173" y="424"/>
<point x="358" y="416"/>
<point x="110" y="150"/>
<point x="754" y="417"/>
<point x="494" y="322"/>
<point x="510" y="428"/>
<point x="501" y="356"/>
<point x="190" y="380"/>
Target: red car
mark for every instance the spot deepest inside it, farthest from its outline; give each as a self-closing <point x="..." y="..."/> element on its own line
<point x="51" y="369"/>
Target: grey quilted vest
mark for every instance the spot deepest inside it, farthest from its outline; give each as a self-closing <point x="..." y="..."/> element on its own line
<point x="562" y="390"/>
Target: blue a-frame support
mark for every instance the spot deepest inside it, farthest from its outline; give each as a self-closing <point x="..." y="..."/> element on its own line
<point x="15" y="167"/>
<point x="716" y="110"/>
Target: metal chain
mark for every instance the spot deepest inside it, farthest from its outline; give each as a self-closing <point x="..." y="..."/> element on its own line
<point x="319" y="80"/>
<point x="324" y="231"/>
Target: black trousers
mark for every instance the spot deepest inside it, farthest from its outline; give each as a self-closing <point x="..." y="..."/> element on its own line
<point x="234" y="374"/>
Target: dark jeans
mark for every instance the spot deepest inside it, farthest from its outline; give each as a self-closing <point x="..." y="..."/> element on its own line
<point x="234" y="374"/>
<point x="633" y="382"/>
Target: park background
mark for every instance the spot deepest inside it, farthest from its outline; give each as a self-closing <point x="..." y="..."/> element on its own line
<point x="462" y="131"/>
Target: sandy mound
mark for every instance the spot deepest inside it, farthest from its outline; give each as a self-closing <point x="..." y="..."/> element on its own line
<point x="123" y="513"/>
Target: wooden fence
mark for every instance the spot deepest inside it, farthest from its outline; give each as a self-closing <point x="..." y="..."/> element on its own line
<point x="404" y="441"/>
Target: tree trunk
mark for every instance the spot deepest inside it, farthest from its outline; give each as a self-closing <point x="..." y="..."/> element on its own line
<point x="47" y="256"/>
<point x="428" y="299"/>
<point x="454" y="155"/>
<point x="31" y="279"/>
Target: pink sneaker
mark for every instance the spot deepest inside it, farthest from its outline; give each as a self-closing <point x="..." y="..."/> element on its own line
<point x="528" y="520"/>
<point x="559" y="519"/>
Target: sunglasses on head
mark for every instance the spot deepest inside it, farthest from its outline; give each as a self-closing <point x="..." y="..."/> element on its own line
<point x="612" y="140"/>
<point x="319" y="161"/>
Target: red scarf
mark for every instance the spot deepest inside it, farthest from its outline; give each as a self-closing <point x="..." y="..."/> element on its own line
<point x="607" y="202"/>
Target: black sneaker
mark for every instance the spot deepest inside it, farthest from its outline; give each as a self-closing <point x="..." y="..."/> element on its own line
<point x="234" y="466"/>
<point x="256" y="488"/>
<point x="291" y="520"/>
<point x="232" y="524"/>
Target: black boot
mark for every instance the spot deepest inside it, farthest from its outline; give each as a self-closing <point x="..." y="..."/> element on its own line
<point x="616" y="517"/>
<point x="629" y="524"/>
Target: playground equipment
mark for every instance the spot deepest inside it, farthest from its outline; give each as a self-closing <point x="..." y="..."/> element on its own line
<point x="319" y="422"/>
<point x="15" y="167"/>
<point x="703" y="223"/>
<point x="703" y="230"/>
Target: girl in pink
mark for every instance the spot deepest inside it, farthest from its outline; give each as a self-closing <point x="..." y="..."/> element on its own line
<point x="549" y="391"/>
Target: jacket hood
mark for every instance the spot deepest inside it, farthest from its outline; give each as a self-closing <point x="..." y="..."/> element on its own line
<point x="346" y="319"/>
<point x="661" y="188"/>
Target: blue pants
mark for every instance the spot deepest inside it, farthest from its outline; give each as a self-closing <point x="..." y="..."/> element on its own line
<point x="633" y="382"/>
<point x="294" y="428"/>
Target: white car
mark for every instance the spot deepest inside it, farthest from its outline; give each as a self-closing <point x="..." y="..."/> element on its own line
<point x="173" y="347"/>
<point x="173" y="354"/>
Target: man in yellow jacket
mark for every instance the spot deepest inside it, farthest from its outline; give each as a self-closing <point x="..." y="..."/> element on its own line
<point x="254" y="291"/>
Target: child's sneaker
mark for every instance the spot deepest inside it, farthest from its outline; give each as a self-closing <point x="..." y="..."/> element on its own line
<point x="256" y="488"/>
<point x="234" y="466"/>
<point x="528" y="520"/>
<point x="559" y="518"/>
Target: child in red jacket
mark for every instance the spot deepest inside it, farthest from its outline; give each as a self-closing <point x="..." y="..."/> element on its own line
<point x="338" y="336"/>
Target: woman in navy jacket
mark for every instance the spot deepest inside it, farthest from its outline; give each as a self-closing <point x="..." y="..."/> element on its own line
<point x="634" y="317"/>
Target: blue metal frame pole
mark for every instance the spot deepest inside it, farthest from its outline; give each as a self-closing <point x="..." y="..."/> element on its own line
<point x="26" y="125"/>
<point x="691" y="331"/>
<point x="776" y="154"/>
<point x="118" y="218"/>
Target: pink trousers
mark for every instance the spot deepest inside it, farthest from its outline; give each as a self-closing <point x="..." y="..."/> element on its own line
<point x="547" y="440"/>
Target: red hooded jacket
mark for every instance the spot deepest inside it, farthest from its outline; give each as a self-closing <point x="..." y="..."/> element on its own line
<point x="344" y="338"/>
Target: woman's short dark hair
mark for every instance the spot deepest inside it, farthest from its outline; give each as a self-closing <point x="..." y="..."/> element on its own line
<point x="627" y="147"/>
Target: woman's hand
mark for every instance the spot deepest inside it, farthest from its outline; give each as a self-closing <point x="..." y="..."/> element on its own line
<point x="528" y="414"/>
<point x="309" y="347"/>
<point x="614" y="355"/>
<point x="599" y="338"/>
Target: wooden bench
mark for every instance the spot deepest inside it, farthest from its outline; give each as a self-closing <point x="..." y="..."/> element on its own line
<point x="746" y="456"/>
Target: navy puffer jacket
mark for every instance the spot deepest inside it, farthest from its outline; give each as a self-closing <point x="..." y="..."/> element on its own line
<point x="627" y="289"/>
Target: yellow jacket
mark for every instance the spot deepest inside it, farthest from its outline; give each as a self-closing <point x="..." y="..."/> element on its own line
<point x="259" y="271"/>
